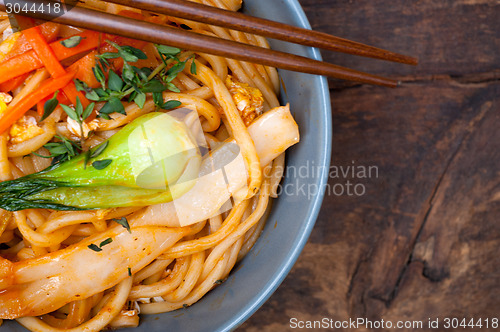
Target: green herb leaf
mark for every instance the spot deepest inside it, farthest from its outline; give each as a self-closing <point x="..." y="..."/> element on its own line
<point x="146" y="71"/>
<point x="129" y="272"/>
<point x="56" y="148"/>
<point x="153" y="86"/>
<point x="99" y="74"/>
<point x="171" y="104"/>
<point x="101" y="93"/>
<point x="80" y="85"/>
<point x="128" y="74"/>
<point x="101" y="164"/>
<point x="94" y="247"/>
<point x="49" y="106"/>
<point x="135" y="52"/>
<point x="71" y="41"/>
<point x="176" y="69"/>
<point x="128" y="57"/>
<point x="142" y="73"/>
<point x="113" y="105"/>
<point x="140" y="99"/>
<point x="115" y="83"/>
<point x="79" y="108"/>
<point x="125" y="54"/>
<point x="105" y="242"/>
<point x="172" y="87"/>
<point x="158" y="99"/>
<point x="92" y="95"/>
<point x="88" y="110"/>
<point x="100" y="149"/>
<point x="71" y="112"/>
<point x="168" y="50"/>
<point x="124" y="222"/>
<point x="193" y="67"/>
<point x="103" y="63"/>
<point x="62" y="151"/>
<point x="109" y="55"/>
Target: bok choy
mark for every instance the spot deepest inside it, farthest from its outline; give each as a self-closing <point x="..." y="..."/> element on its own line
<point x="152" y="160"/>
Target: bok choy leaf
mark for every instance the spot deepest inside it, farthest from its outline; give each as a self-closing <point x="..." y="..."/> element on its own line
<point x="152" y="160"/>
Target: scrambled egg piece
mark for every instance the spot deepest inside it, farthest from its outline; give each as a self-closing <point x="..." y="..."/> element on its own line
<point x="24" y="129"/>
<point x="5" y="99"/>
<point x="9" y="39"/>
<point x="74" y="127"/>
<point x="249" y="101"/>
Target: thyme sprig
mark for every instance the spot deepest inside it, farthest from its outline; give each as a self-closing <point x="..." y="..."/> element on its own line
<point x="79" y="114"/>
<point x="134" y="83"/>
<point x="62" y="150"/>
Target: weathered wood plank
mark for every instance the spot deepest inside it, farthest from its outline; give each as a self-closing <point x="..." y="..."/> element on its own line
<point x="423" y="241"/>
<point x="451" y="37"/>
<point x="362" y="251"/>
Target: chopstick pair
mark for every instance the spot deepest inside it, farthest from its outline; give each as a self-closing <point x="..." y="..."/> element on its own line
<point x="160" y="34"/>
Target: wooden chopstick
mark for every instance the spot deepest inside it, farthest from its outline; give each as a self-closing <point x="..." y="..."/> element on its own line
<point x="136" y="29"/>
<point x="238" y="21"/>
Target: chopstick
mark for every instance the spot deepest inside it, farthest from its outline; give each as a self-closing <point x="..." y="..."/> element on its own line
<point x="241" y="22"/>
<point x="159" y="34"/>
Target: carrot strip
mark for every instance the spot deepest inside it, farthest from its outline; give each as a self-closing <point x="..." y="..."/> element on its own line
<point x="29" y="61"/>
<point x="44" y="52"/>
<point x="83" y="68"/>
<point x="40" y="106"/>
<point x="50" y="61"/>
<point x="72" y="94"/>
<point x="13" y="83"/>
<point x="12" y="114"/>
<point x="49" y="31"/>
<point x="61" y="97"/>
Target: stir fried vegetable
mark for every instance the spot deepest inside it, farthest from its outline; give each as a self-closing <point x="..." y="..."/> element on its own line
<point x="46" y="89"/>
<point x="29" y="61"/>
<point x="152" y="160"/>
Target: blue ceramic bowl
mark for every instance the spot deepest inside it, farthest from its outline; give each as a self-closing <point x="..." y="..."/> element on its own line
<point x="293" y="214"/>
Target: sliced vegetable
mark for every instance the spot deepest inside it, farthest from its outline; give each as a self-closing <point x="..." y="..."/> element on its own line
<point x="29" y="61"/>
<point x="12" y="114"/>
<point x="49" y="31"/>
<point x="13" y="83"/>
<point x="153" y="160"/>
<point x="50" y="61"/>
<point x="44" y="51"/>
<point x="83" y="68"/>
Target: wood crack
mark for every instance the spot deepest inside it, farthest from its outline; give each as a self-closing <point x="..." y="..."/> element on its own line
<point x="425" y="272"/>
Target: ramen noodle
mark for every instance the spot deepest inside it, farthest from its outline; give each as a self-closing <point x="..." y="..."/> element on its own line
<point x="89" y="237"/>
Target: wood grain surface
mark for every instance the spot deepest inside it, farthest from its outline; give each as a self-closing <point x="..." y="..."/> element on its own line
<point x="424" y="239"/>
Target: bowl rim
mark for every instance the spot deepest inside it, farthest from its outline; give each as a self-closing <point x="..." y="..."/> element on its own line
<point x="315" y="204"/>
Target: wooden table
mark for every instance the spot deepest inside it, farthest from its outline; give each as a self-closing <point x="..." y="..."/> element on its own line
<point x="424" y="239"/>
